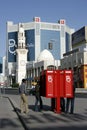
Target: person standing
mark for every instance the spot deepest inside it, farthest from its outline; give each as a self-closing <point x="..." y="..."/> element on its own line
<point x="23" y="97"/>
<point x="62" y="104"/>
<point x="38" y="97"/>
<point x="70" y="102"/>
<point x="32" y="89"/>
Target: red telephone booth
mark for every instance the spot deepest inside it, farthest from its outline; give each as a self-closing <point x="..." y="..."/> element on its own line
<point x="66" y="83"/>
<point x="56" y="84"/>
<point x="49" y="83"/>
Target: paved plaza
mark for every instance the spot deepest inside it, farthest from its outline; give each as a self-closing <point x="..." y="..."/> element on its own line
<point x="11" y="118"/>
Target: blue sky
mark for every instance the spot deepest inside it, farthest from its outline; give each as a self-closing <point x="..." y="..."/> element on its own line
<point x="73" y="11"/>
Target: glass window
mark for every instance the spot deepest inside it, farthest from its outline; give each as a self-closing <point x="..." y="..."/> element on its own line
<point x="30" y="41"/>
<point x="50" y="39"/>
<point x="50" y="45"/>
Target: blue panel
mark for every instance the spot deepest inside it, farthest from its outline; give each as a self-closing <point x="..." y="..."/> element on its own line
<point x="12" y="44"/>
<point x="30" y="41"/>
<point x="53" y="37"/>
<point x="0" y="68"/>
<point x="0" y="64"/>
<point x="1" y="60"/>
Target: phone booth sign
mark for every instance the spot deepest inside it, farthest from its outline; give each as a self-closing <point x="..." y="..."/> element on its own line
<point x="49" y="84"/>
<point x="52" y="84"/>
<point x="68" y="83"/>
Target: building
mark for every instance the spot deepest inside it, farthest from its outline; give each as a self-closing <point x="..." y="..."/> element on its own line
<point x="36" y="36"/>
<point x="77" y="58"/>
<point x="1" y="64"/>
<point x="2" y="71"/>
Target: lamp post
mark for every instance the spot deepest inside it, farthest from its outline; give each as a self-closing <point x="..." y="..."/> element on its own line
<point x="12" y="78"/>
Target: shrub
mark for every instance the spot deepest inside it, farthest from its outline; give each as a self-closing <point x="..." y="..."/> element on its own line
<point x="15" y="85"/>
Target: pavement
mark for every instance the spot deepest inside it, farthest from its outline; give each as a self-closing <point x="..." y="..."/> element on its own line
<point x="11" y="118"/>
<point x="8" y="118"/>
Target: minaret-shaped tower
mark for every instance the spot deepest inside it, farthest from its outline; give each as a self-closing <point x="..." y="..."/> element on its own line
<point x="21" y="55"/>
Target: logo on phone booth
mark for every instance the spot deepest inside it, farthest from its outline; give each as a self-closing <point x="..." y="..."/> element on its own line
<point x="50" y="79"/>
<point x="68" y="79"/>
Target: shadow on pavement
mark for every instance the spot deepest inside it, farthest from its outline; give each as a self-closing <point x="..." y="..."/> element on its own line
<point x="5" y="123"/>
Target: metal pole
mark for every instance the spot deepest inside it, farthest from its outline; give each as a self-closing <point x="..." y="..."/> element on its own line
<point x="0" y="92"/>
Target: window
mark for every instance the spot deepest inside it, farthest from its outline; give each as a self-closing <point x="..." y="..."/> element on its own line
<point x="50" y="46"/>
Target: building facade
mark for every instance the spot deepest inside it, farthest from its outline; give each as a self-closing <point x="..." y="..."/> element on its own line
<point x="77" y="58"/>
<point x="55" y="37"/>
<point x="2" y="71"/>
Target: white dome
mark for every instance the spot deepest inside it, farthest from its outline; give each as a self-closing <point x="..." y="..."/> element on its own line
<point x="45" y="55"/>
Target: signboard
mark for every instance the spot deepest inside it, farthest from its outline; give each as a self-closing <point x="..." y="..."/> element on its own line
<point x="50" y="85"/>
<point x="36" y="19"/>
<point x="68" y="83"/>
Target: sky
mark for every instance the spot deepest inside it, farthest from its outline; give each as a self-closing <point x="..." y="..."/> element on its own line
<point x="73" y="11"/>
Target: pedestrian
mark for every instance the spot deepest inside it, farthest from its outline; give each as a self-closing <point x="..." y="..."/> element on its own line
<point x="70" y="102"/>
<point x="62" y="104"/>
<point x="38" y="97"/>
<point x="23" y="97"/>
<point x="32" y="90"/>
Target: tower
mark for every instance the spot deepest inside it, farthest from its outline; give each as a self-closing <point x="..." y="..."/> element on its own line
<point x="21" y="58"/>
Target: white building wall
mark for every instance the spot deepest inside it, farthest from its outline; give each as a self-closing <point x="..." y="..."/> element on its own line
<point x="62" y="41"/>
<point x="21" y="64"/>
<point x="37" y="40"/>
<point x="85" y="57"/>
<point x="4" y="63"/>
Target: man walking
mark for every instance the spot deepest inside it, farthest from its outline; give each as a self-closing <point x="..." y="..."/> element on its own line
<point x="23" y="97"/>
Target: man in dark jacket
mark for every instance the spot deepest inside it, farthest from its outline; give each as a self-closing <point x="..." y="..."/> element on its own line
<point x="38" y="97"/>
